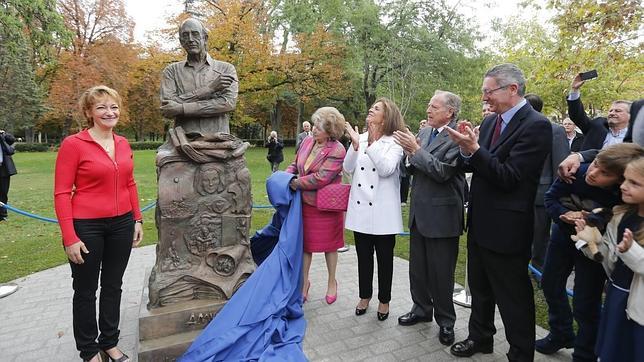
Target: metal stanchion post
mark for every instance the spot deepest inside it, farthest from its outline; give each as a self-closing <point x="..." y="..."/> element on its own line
<point x="463" y="297"/>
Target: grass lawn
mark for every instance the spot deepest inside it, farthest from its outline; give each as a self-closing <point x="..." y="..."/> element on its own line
<point x="28" y="245"/>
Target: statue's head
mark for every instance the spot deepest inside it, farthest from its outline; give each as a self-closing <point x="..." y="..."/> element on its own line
<point x="193" y="36"/>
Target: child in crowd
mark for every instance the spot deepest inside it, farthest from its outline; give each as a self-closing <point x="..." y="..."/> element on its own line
<point x="621" y="329"/>
<point x="595" y="185"/>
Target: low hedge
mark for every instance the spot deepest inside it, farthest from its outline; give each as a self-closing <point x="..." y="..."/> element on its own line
<point x="146" y="145"/>
<point x="33" y="147"/>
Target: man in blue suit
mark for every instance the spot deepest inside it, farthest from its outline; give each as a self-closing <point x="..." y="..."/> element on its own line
<point x="506" y="159"/>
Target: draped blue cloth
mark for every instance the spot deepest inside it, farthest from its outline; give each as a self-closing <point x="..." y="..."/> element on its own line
<point x="264" y="321"/>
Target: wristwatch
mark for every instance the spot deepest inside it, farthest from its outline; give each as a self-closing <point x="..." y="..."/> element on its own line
<point x="139" y="221"/>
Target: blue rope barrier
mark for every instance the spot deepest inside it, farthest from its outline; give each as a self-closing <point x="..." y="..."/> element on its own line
<point x="47" y="219"/>
<point x="28" y="214"/>
<point x="538" y="273"/>
<point x="153" y="204"/>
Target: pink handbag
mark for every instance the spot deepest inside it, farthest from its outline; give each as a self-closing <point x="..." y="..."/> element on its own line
<point x="333" y="197"/>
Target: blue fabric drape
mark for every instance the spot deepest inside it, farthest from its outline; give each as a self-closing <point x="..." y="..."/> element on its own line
<point x="264" y="321"/>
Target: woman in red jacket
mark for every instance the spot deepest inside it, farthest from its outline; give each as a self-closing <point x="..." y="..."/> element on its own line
<point x="98" y="211"/>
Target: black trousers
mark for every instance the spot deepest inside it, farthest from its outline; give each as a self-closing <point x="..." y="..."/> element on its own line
<point x="404" y="188"/>
<point x="541" y="236"/>
<point x="384" y="247"/>
<point x="501" y="279"/>
<point x="432" y="263"/>
<point x="4" y="194"/>
<point x="109" y="242"/>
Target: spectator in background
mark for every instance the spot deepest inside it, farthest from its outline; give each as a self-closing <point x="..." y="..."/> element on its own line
<point x="435" y="216"/>
<point x="373" y="212"/>
<point x="635" y="134"/>
<point x="600" y="132"/>
<point x="7" y="168"/>
<point x="575" y="139"/>
<point x="306" y="127"/>
<point x="318" y="162"/>
<point x="275" y="155"/>
<point x="422" y="124"/>
<point x="558" y="152"/>
<point x="486" y="109"/>
<point x="97" y="207"/>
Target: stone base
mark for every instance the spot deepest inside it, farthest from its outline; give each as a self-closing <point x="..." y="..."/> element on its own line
<point x="165" y="333"/>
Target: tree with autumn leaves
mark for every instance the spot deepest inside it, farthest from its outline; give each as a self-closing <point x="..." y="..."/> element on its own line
<point x="293" y="56"/>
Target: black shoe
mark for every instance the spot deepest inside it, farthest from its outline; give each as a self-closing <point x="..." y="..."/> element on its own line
<point x="361" y="311"/>
<point x="446" y="335"/>
<point x="382" y="316"/>
<point x="411" y="318"/>
<point x="550" y="344"/>
<point x="468" y="348"/>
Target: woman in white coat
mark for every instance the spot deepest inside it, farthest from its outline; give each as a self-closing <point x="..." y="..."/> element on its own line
<point x="373" y="213"/>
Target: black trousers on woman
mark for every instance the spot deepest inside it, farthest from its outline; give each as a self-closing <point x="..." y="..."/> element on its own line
<point x="384" y="247"/>
<point x="109" y="242"/>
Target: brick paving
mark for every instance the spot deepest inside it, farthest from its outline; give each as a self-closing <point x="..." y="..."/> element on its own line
<point x="36" y="323"/>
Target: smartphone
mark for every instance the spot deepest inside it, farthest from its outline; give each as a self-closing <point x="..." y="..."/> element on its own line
<point x="588" y="75"/>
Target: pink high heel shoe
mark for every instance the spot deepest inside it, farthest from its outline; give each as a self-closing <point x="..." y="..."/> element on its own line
<point x="330" y="299"/>
<point x="305" y="293"/>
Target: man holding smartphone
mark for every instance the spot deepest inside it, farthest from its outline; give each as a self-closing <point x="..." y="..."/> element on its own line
<point x="599" y="132"/>
<point x="7" y="168"/>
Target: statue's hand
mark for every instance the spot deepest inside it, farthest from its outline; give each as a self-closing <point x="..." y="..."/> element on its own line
<point x="222" y="81"/>
<point x="171" y="109"/>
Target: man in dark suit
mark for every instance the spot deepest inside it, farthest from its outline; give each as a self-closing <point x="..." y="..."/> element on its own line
<point x="599" y="132"/>
<point x="7" y="168"/>
<point x="559" y="151"/>
<point x="506" y="159"/>
<point x="435" y="215"/>
<point x="635" y="132"/>
<point x="306" y="126"/>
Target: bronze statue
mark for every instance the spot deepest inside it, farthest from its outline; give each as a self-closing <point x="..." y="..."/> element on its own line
<point x="198" y="92"/>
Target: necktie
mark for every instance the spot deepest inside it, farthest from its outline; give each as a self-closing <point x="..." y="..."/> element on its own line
<point x="497" y="130"/>
<point x="434" y="134"/>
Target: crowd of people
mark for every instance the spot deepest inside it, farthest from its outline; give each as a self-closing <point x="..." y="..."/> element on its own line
<point x="518" y="211"/>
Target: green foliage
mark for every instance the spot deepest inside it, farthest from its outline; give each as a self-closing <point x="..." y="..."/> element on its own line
<point x="30" y="30"/>
<point x="587" y="34"/>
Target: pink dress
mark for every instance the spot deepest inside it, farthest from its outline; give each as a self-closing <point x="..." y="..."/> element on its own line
<point x="323" y="230"/>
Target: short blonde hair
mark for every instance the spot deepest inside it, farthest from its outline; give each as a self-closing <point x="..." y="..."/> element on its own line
<point x="330" y="120"/>
<point x="393" y="119"/>
<point x="89" y="98"/>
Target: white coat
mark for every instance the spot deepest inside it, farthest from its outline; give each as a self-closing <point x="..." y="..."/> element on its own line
<point x="374" y="200"/>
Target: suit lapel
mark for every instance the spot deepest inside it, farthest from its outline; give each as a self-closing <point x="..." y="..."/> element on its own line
<point x="441" y="138"/>
<point x="305" y="149"/>
<point x="321" y="155"/>
<point x="512" y="126"/>
<point x="487" y="128"/>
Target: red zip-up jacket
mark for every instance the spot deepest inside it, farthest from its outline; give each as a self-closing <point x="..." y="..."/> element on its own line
<point x="88" y="184"/>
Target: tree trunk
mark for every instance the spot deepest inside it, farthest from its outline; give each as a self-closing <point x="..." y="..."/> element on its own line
<point x="276" y="116"/>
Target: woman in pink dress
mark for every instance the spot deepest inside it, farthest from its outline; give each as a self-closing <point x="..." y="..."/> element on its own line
<point x="319" y="163"/>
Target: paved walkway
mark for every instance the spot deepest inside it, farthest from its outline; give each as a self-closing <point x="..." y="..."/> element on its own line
<point x="35" y="322"/>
